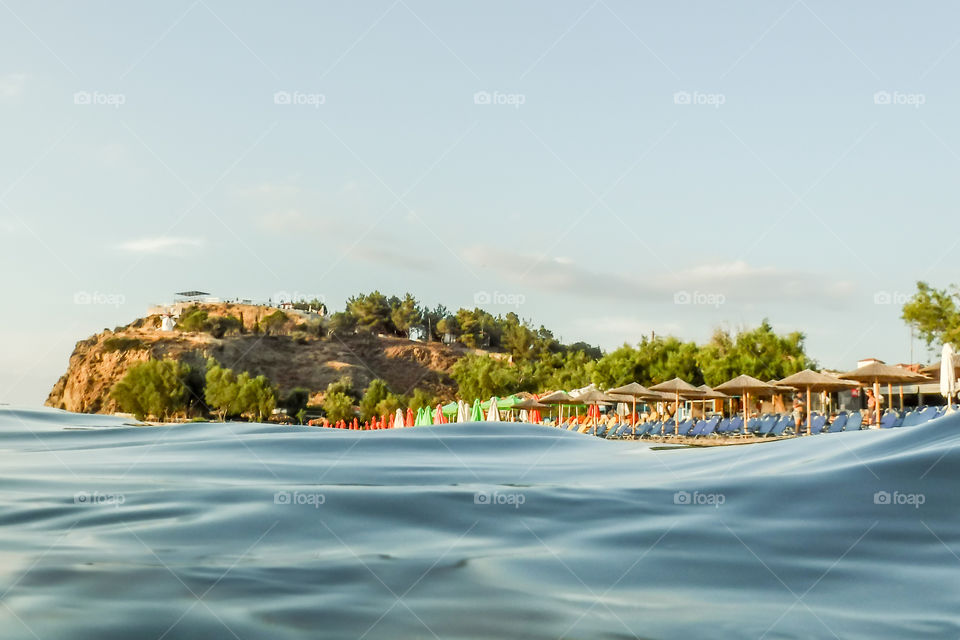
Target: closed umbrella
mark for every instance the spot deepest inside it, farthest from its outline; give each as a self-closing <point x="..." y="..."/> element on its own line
<point x="814" y="381"/>
<point x="438" y="415"/>
<point x="463" y="412"/>
<point x="493" y="414"/>
<point x="398" y="419"/>
<point x="410" y="421"/>
<point x="743" y="386"/>
<point x="679" y="388"/>
<point x="476" y="412"/>
<point x="948" y="375"/>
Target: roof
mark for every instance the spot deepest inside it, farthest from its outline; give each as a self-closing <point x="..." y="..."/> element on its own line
<point x="192" y="294"/>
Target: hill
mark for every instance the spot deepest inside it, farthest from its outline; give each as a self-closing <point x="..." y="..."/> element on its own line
<point x="294" y="352"/>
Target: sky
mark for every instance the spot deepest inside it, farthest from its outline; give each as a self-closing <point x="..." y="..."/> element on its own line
<point x="605" y="168"/>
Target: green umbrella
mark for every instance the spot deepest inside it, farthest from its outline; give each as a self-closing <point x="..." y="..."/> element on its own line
<point x="476" y="414"/>
<point x="449" y="409"/>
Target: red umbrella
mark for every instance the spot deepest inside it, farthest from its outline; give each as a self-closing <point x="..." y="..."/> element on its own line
<point x="409" y="422"/>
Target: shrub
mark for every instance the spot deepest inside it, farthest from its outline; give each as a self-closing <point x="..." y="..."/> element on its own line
<point x="122" y="344"/>
<point x="154" y="388"/>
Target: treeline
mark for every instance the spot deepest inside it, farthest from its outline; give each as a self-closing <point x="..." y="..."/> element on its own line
<point x="758" y="352"/>
<point x="168" y="389"/>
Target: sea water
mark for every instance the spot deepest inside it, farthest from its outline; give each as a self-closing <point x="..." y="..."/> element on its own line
<point x="113" y="530"/>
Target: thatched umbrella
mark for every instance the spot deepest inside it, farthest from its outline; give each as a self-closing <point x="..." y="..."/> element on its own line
<point x="814" y="381"/>
<point x="633" y="390"/>
<point x="593" y="397"/>
<point x="678" y="388"/>
<point x="743" y="386"/>
<point x="877" y="372"/>
<point x="558" y="398"/>
<point x="710" y="394"/>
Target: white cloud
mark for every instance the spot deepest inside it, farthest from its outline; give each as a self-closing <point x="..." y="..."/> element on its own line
<point x="161" y="244"/>
<point x="737" y="281"/>
<point x="12" y="85"/>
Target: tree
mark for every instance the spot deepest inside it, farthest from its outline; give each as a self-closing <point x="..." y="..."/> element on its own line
<point x="221" y="390"/>
<point x="296" y="401"/>
<point x="219" y="326"/>
<point x="421" y="398"/>
<point x="371" y="311"/>
<point x="759" y="352"/>
<point x="480" y="376"/>
<point x="406" y="314"/>
<point x="256" y="397"/>
<point x="338" y="406"/>
<point x="934" y="313"/>
<point x="192" y="319"/>
<point x="276" y="323"/>
<point x="377" y="391"/>
<point x="157" y="388"/>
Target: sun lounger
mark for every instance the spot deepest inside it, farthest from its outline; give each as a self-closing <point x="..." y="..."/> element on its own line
<point x="839" y="423"/>
<point x="736" y="426"/>
<point x="817" y="423"/>
<point x="767" y="423"/>
<point x="710" y="428"/>
<point x="685" y="427"/>
<point x="782" y="425"/>
<point x="724" y="426"/>
<point x="888" y="420"/>
<point x="854" y="422"/>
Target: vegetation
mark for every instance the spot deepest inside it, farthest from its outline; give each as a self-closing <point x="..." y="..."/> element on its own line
<point x="156" y="388"/>
<point x="231" y="395"/>
<point x="934" y="313"/>
<point x="196" y="319"/>
<point x="122" y="344"/>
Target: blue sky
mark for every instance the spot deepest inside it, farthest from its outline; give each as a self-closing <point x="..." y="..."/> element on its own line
<point x="604" y="168"/>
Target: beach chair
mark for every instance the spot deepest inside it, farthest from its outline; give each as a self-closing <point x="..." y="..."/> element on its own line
<point x="710" y="427"/>
<point x="723" y="427"/>
<point x="781" y="425"/>
<point x="854" y="422"/>
<point x="601" y="430"/>
<point x="753" y="425"/>
<point x="656" y="429"/>
<point x="931" y="413"/>
<point x="767" y="423"/>
<point x="817" y="423"/>
<point x="685" y="427"/>
<point x="839" y="422"/>
<point x="736" y="426"/>
<point x="888" y="420"/>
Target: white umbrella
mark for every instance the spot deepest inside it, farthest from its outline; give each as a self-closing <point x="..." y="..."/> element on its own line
<point x="463" y="411"/>
<point x="398" y="419"/>
<point x="493" y="414"/>
<point x="948" y="376"/>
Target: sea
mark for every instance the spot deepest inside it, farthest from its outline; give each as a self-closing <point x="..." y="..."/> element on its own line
<point x="110" y="530"/>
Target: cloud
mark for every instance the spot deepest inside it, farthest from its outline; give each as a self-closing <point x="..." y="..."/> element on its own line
<point x="12" y="85"/>
<point x="161" y="244"/>
<point x="270" y="190"/>
<point x="737" y="281"/>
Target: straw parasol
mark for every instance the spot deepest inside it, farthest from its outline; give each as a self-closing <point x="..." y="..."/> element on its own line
<point x="633" y="391"/>
<point x="558" y="398"/>
<point x="743" y="386"/>
<point x="678" y="388"/>
<point x="814" y="381"/>
<point x="710" y="394"/>
<point x="877" y="372"/>
<point x="530" y="404"/>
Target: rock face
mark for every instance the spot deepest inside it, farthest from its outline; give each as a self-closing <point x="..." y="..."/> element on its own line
<point x="295" y="358"/>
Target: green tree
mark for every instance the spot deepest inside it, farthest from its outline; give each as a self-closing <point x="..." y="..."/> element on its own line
<point x="934" y="313"/>
<point x="759" y="352"/>
<point x="276" y="323"/>
<point x="296" y="401"/>
<point x="256" y="397"/>
<point x="192" y="319"/>
<point x="389" y="405"/>
<point x="421" y="398"/>
<point x="338" y="406"/>
<point x="377" y="391"/>
<point x="371" y="311"/>
<point x="480" y="376"/>
<point x="157" y="388"/>
<point x="406" y="314"/>
<point x="221" y="389"/>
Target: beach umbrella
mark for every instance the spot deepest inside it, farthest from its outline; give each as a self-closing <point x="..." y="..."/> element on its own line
<point x="679" y="388"/>
<point x="398" y="419"/>
<point x="493" y="414"/>
<point x="593" y="398"/>
<point x="450" y="409"/>
<point x="877" y="372"/>
<point x="438" y="415"/>
<point x="743" y="386"/>
<point x="409" y="422"/>
<point x="634" y="390"/>
<point x="558" y="398"/>
<point x="948" y="375"/>
<point x="710" y="394"/>
<point x="476" y="414"/>
<point x="814" y="381"/>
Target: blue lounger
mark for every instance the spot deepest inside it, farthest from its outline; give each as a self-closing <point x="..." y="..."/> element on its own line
<point x="817" y="423"/>
<point x="767" y="423"/>
<point x="854" y="422"/>
<point x="888" y="420"/>
<point x="839" y="423"/>
<point x="724" y="426"/>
